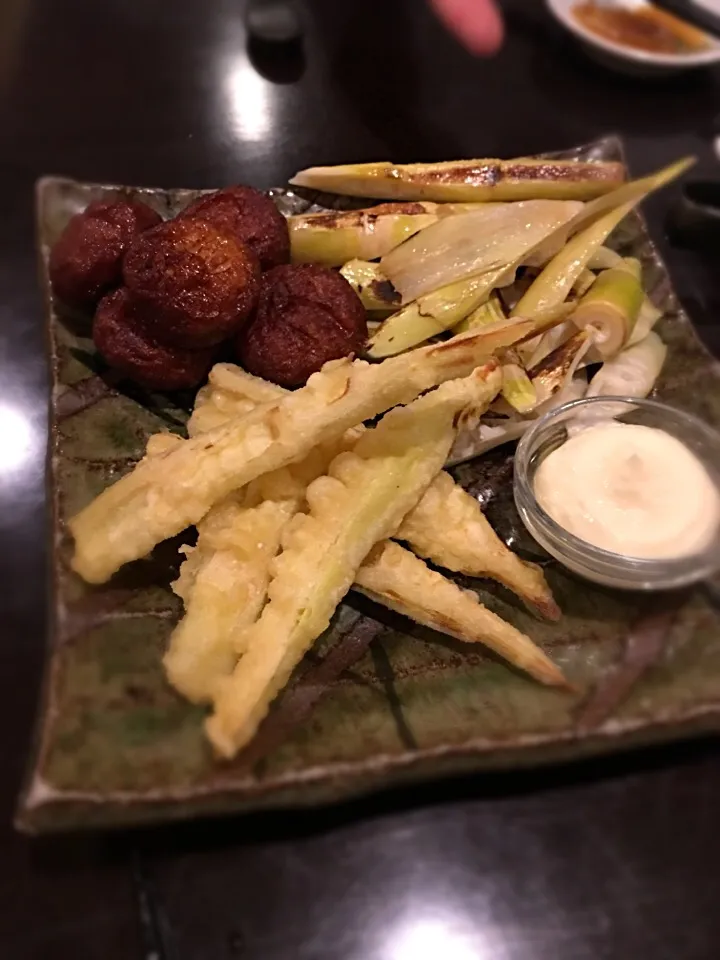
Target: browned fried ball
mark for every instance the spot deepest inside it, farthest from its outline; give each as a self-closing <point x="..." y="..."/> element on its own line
<point x="306" y="315"/>
<point x="86" y="261"/>
<point x="122" y="339"/>
<point x="250" y="216"/>
<point x="194" y="283"/>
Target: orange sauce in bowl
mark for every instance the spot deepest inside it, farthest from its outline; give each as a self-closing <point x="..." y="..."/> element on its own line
<point x="648" y="28"/>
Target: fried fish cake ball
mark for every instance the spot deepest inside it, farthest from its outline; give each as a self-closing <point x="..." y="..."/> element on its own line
<point x="121" y="337"/>
<point x="130" y="216"/>
<point x="86" y="260"/>
<point x="194" y="283"/>
<point x="306" y="315"/>
<point x="250" y="216"/>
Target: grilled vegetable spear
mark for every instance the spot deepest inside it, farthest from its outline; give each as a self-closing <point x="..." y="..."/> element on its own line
<point x="371" y="285"/>
<point x="553" y="285"/>
<point x="334" y="238"/>
<point x="517" y="387"/>
<point x="467" y="180"/>
<point x="611" y="307"/>
<point x="337" y="236"/>
<point x="649" y="314"/>
<point x="434" y="313"/>
<point x="555" y="282"/>
<point x="557" y="369"/>
<point x="489" y="312"/>
<point x="444" y="308"/>
<point x="483" y="239"/>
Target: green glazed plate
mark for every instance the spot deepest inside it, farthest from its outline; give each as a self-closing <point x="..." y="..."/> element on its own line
<point x="379" y="701"/>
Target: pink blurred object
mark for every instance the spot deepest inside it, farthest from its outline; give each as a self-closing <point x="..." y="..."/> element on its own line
<point x="476" y="23"/>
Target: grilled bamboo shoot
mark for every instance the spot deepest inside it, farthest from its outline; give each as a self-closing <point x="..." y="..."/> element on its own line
<point x="611" y="307"/>
<point x="371" y="285"/>
<point x="338" y="236"/>
<point x="467" y="180"/>
<point x="430" y="315"/>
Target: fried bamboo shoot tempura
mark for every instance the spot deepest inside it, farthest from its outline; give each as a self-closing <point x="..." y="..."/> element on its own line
<point x="361" y="501"/>
<point x="466" y="544"/>
<point x="467" y="180"/>
<point x="400" y="580"/>
<point x="230" y="392"/>
<point x="449" y="528"/>
<point x="163" y="442"/>
<point x="224" y="580"/>
<point x="164" y="495"/>
<point x="223" y="584"/>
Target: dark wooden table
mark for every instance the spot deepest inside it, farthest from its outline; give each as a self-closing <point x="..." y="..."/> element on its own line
<point x="619" y="859"/>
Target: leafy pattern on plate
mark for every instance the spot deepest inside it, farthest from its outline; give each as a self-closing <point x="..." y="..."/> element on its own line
<point x="379" y="701"/>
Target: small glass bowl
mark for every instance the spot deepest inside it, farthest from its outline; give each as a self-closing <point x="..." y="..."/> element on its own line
<point x="591" y="562"/>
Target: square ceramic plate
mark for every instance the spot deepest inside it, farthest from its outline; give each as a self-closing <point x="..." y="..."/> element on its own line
<point x="379" y="701"/>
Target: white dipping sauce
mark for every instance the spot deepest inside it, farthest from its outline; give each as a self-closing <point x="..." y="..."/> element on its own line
<point x="633" y="490"/>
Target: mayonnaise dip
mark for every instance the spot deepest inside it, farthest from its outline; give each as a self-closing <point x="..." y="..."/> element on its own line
<point x="633" y="490"/>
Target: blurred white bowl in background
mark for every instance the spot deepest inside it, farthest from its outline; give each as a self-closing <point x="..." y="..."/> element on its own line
<point x="628" y="59"/>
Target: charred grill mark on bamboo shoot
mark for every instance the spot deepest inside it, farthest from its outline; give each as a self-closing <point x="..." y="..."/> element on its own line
<point x="492" y="173"/>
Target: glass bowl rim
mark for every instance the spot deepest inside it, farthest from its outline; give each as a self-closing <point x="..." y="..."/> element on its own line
<point x="576" y="545"/>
